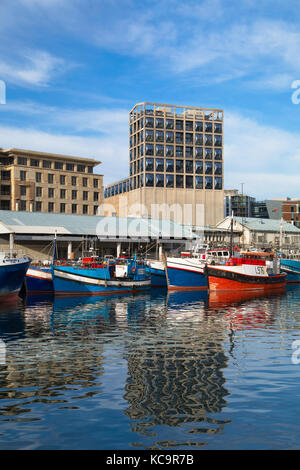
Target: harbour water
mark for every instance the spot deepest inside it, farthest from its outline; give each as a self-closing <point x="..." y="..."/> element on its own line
<point x="152" y="371"/>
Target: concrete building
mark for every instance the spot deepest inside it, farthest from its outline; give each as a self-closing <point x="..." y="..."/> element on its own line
<point x="175" y="165"/>
<point x="46" y="182"/>
<point x="240" y="205"/>
<point x="264" y="233"/>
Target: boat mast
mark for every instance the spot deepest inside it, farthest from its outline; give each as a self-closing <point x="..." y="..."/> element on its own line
<point x="231" y="235"/>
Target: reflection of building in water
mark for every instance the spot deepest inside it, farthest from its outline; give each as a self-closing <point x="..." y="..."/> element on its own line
<point x="175" y="378"/>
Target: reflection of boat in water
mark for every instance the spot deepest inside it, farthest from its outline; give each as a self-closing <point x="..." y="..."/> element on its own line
<point x="232" y="297"/>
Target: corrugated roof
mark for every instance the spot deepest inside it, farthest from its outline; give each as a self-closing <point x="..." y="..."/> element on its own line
<point x="268" y="225"/>
<point x="111" y="227"/>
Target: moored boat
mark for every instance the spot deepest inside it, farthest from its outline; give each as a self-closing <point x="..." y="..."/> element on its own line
<point x="100" y="279"/>
<point x="292" y="269"/>
<point x="12" y="275"/>
<point x="187" y="272"/>
<point x="247" y="271"/>
<point x="39" y="280"/>
<point x="157" y="272"/>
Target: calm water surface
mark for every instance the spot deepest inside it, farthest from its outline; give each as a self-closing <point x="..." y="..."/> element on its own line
<point x="153" y="371"/>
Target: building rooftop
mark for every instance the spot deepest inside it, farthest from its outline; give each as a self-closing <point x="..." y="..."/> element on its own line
<point x="37" y="223"/>
<point x="268" y="225"/>
<point x="16" y="151"/>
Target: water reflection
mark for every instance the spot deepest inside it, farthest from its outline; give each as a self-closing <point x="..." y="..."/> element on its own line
<point x="173" y="350"/>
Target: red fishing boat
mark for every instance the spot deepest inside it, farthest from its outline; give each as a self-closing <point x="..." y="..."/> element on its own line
<point x="247" y="271"/>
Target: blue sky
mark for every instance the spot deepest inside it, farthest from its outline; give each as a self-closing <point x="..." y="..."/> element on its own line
<point x="74" y="68"/>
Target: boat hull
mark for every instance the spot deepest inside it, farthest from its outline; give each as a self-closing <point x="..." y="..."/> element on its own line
<point x="12" y="277"/>
<point x="292" y="269"/>
<point x="39" y="280"/>
<point x="221" y="279"/>
<point x="85" y="282"/>
<point x="158" y="274"/>
<point x="185" y="275"/>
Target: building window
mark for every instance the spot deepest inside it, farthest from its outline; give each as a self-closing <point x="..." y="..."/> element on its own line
<point x="159" y="136"/>
<point x="218" y="168"/>
<point x="208" y="154"/>
<point x="189" y="181"/>
<point x="85" y="209"/>
<point x="198" y="182"/>
<point x="22" y="205"/>
<point x="188" y="125"/>
<point x="169" y="136"/>
<point x="208" y="182"/>
<point x="50" y="206"/>
<point x="208" y="127"/>
<point x="62" y="207"/>
<point x="149" y="122"/>
<point x="188" y="138"/>
<point x="50" y="178"/>
<point x="74" y="208"/>
<point x="199" y="139"/>
<point x="85" y="195"/>
<point x="22" y="161"/>
<point x="160" y="150"/>
<point x="170" y="181"/>
<point x="208" y="140"/>
<point x="73" y="180"/>
<point x="159" y="180"/>
<point x="199" y="126"/>
<point x="81" y="168"/>
<point x="159" y="164"/>
<point x="179" y="166"/>
<point x="58" y="165"/>
<point x="23" y="190"/>
<point x="74" y="194"/>
<point x="179" y="151"/>
<point x="179" y="137"/>
<point x="179" y="125"/>
<point x="95" y="183"/>
<point x="169" y="124"/>
<point x="218" y="140"/>
<point x="50" y="192"/>
<point x="189" y="152"/>
<point x="90" y="169"/>
<point x="96" y="197"/>
<point x="149" y="149"/>
<point x="38" y="191"/>
<point x="218" y="182"/>
<point x="70" y="166"/>
<point x="189" y="166"/>
<point x="199" y="152"/>
<point x="149" y="164"/>
<point x="95" y="210"/>
<point x="179" y="181"/>
<point x="149" y="179"/>
<point x="159" y="123"/>
<point x="218" y="128"/>
<point x="46" y="164"/>
<point x="38" y="177"/>
<point x="22" y="175"/>
<point x="62" y="179"/>
<point x="34" y="162"/>
<point x="38" y="206"/>
<point x="218" y="154"/>
<point x="170" y="166"/>
<point x="199" y="167"/>
<point x="84" y="182"/>
<point x="208" y="168"/>
<point x="169" y="151"/>
<point x="62" y="194"/>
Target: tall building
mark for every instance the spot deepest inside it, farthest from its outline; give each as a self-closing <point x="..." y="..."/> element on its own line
<point x="45" y="182"/>
<point x="240" y="205"/>
<point x="175" y="159"/>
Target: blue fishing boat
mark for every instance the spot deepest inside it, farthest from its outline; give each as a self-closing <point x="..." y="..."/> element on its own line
<point x="39" y="280"/>
<point x="158" y="273"/>
<point x="292" y="269"/>
<point x="12" y="275"/>
<point x="100" y="279"/>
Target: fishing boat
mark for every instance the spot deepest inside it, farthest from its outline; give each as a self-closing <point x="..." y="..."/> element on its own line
<point x="187" y="272"/>
<point x="247" y="271"/>
<point x="157" y="272"/>
<point x="292" y="269"/>
<point x="39" y="280"/>
<point x="97" y="278"/>
<point x="12" y="275"/>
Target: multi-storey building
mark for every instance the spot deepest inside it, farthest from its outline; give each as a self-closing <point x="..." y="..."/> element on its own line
<point x="175" y="158"/>
<point x="45" y="182"/>
<point x="240" y="205"/>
